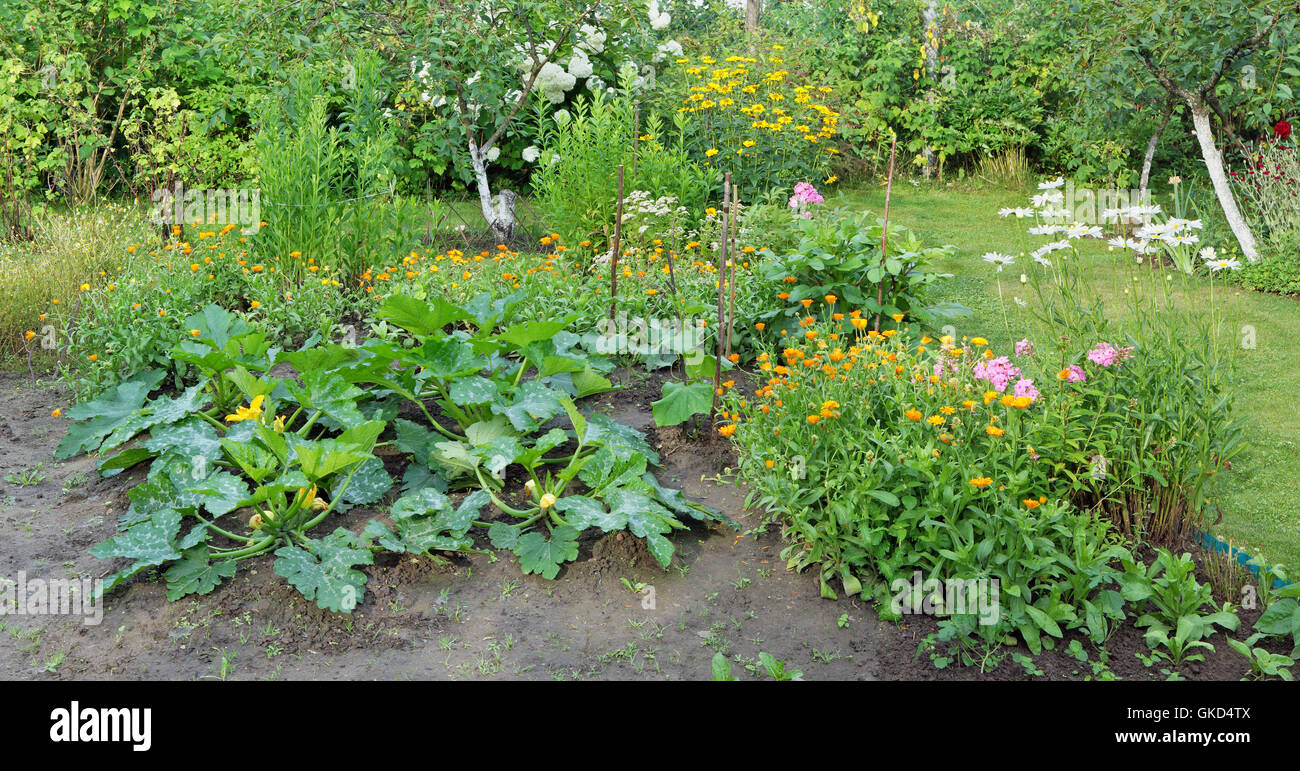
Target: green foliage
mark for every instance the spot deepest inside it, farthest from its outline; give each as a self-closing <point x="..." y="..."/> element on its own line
<point x="1263" y="664"/>
<point x="307" y="169"/>
<point x="576" y="182"/>
<point x="839" y="254"/>
<point x="1170" y="601"/>
<point x="500" y="381"/>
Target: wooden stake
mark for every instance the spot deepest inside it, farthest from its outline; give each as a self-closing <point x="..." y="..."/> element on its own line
<point x="618" y="246"/>
<point x="884" y="230"/>
<point x="722" y="273"/>
<point x="731" y="288"/>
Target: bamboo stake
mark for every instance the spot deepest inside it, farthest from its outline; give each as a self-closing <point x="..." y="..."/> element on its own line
<point x="884" y="231"/>
<point x="731" y="288"/>
<point x="722" y="272"/>
<point x="618" y="246"/>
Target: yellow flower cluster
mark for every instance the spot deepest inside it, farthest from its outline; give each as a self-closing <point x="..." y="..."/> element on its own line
<point x="766" y="126"/>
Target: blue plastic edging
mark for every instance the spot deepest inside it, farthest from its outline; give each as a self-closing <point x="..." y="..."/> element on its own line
<point x="1214" y="544"/>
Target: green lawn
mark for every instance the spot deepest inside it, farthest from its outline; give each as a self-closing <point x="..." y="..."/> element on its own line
<point x="1260" y="497"/>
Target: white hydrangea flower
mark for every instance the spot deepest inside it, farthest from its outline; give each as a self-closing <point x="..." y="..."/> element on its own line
<point x="554" y="82"/>
<point x="531" y="154"/>
<point x="657" y="20"/>
<point x="580" y="65"/>
<point x="593" y="39"/>
<point x="493" y="154"/>
<point x="667" y="49"/>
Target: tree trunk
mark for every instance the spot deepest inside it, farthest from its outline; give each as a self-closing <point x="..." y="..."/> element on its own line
<point x="1151" y="153"/>
<point x="500" y="217"/>
<point x="751" y="16"/>
<point x="1214" y="164"/>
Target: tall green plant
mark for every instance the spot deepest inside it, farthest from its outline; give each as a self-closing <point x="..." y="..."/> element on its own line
<point x="577" y="179"/>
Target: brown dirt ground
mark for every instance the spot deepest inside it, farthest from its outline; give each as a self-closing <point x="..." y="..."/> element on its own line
<point x="476" y="617"/>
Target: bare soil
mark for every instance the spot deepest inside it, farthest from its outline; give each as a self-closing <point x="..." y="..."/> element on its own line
<point x="475" y="617"/>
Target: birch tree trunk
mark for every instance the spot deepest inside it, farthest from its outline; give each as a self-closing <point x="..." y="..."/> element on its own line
<point x="1214" y="164"/>
<point x="501" y="216"/>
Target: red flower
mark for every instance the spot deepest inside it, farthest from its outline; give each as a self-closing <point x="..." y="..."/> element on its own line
<point x="1282" y="129"/>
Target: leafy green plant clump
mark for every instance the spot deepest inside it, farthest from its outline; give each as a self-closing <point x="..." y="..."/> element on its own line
<point x="296" y="451"/>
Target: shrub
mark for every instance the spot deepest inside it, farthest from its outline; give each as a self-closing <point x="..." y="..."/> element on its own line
<point x="1278" y="269"/>
<point x="839" y="253"/>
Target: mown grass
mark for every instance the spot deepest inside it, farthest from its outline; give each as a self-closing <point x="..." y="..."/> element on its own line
<point x="1260" y="497"/>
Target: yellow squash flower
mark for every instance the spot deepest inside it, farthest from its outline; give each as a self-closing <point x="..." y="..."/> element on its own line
<point x="252" y="412"/>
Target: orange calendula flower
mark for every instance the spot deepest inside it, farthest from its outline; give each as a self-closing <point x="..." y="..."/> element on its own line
<point x="769" y="463"/>
<point x="728" y="429"/>
<point x="897" y="317"/>
<point x="760" y="326"/>
<point x="981" y="482"/>
<point x="1030" y="503"/>
<point x="814" y="418"/>
<point x="56" y="413"/>
<point x="913" y="414"/>
<point x="830" y="299"/>
<point x="993" y="431"/>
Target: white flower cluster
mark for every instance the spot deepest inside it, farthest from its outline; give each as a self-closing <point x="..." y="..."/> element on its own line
<point x="1174" y="232"/>
<point x="580" y="66"/>
<point x="658" y="20"/>
<point x="593" y="39"/>
<point x="668" y="48"/>
<point x="553" y="81"/>
<point x="662" y="214"/>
